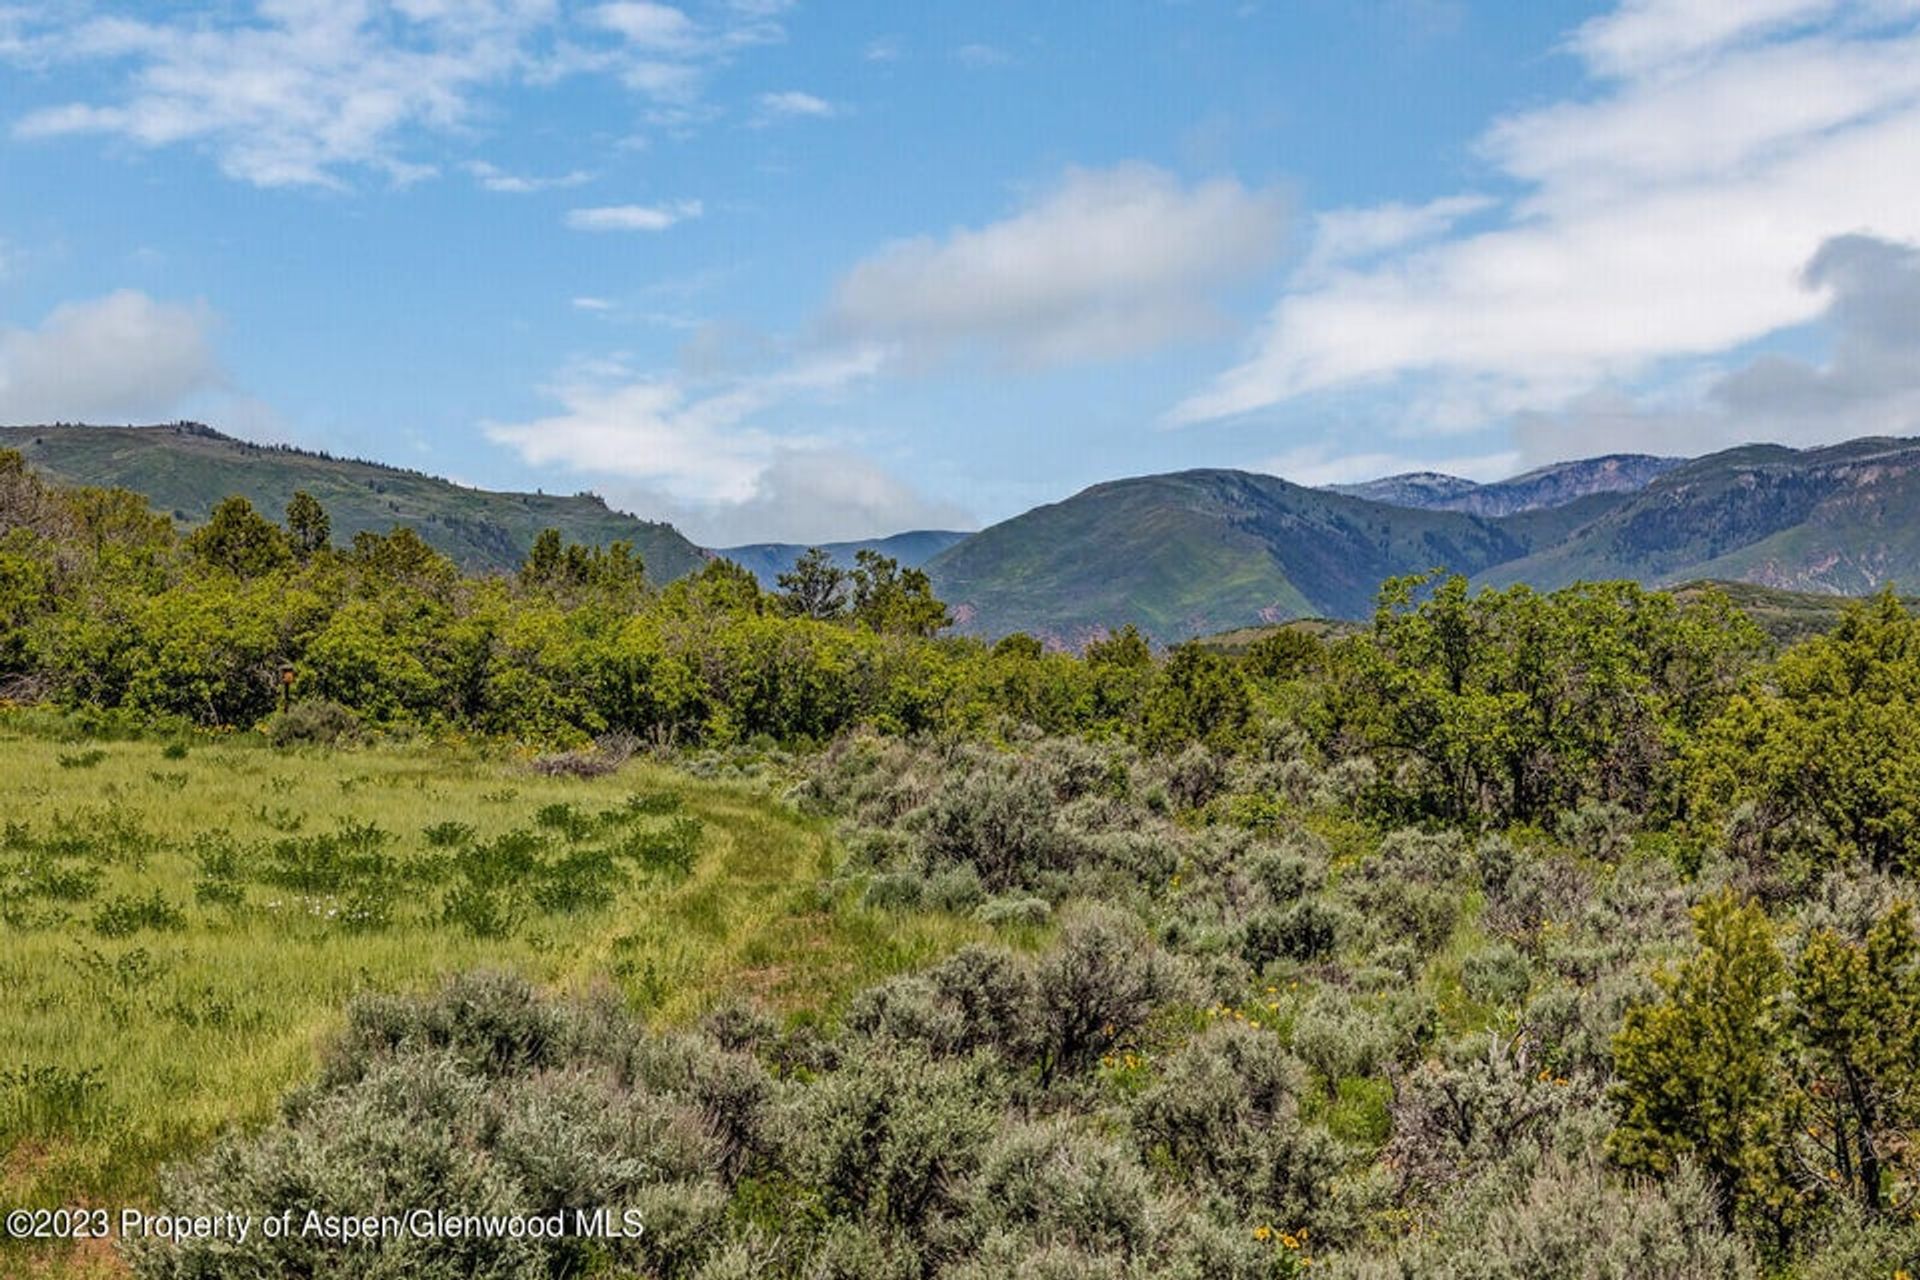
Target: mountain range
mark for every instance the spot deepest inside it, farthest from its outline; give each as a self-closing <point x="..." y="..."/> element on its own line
<point x="1205" y="551"/>
<point x="1178" y="555"/>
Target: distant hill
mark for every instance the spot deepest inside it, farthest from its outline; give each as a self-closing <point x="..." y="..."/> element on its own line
<point x="1426" y="490"/>
<point x="1786" y="616"/>
<point x="1204" y="552"/>
<point x="768" y="560"/>
<point x="184" y="469"/>
<point x="1841" y="520"/>
<point x="1197" y="552"/>
<point x="1193" y="553"/>
<point x="1536" y="490"/>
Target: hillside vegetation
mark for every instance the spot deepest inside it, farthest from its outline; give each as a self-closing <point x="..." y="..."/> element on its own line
<point x="1195" y="552"/>
<point x="1176" y="556"/>
<point x="1206" y="551"/>
<point x="1508" y="934"/>
<point x="766" y="561"/>
<point x="185" y="470"/>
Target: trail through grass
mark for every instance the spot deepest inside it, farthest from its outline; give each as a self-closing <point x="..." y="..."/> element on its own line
<point x="179" y="929"/>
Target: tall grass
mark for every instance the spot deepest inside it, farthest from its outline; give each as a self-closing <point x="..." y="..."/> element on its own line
<point x="178" y="931"/>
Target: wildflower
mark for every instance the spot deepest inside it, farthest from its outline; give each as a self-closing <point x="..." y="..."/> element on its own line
<point x="1262" y="1232"/>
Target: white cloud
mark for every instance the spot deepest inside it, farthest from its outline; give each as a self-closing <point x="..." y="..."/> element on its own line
<point x="694" y="441"/>
<point x="1642" y="35"/>
<point x="304" y="89"/>
<point x="697" y="452"/>
<point x="592" y="304"/>
<point x="633" y="217"/>
<point x="817" y="495"/>
<point x="1343" y="237"/>
<point x="659" y="27"/>
<point x="1869" y="385"/>
<point x="119" y="358"/>
<point x="793" y="103"/>
<point x="495" y="179"/>
<point x="1107" y="263"/>
<point x="300" y="92"/>
<point x="1662" y="213"/>
<point x="884" y="49"/>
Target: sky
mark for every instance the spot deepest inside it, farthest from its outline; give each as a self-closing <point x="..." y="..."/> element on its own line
<point x="804" y="270"/>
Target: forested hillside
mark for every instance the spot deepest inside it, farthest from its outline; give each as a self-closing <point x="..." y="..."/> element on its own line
<point x="185" y="469"/>
<point x="1204" y="551"/>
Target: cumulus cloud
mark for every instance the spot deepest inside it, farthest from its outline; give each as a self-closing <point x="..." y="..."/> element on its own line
<point x="1869" y="385"/>
<point x="633" y="217"/>
<point x="659" y="27"/>
<point x="1107" y="263"/>
<point x="695" y="440"/>
<point x="123" y="357"/>
<point x="1663" y="213"/>
<point x="697" y="451"/>
<point x="298" y="92"/>
<point x="818" y="495"/>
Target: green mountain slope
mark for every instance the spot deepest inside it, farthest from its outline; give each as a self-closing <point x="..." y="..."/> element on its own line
<point x="185" y="469"/>
<point x="1838" y="520"/>
<point x="1198" y="552"/>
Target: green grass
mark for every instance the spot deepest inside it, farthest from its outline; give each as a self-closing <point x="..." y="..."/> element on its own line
<point x="179" y="934"/>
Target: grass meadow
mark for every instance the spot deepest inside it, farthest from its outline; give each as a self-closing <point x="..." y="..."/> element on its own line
<point x="182" y="921"/>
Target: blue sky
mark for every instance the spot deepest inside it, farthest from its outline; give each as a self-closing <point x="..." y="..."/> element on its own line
<point x="813" y="270"/>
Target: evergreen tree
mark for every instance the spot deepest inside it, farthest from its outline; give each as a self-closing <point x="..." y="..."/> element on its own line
<point x="240" y="540"/>
<point x="815" y="587"/>
<point x="1697" y="1072"/>
<point x="309" y="528"/>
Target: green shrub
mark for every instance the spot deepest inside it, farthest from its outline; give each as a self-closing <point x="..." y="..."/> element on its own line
<point x="1498" y="975"/>
<point x="1568" y="1218"/>
<point x="1489" y="1099"/>
<point x="479" y="1099"/>
<point x="1098" y="987"/>
<point x="1287" y="874"/>
<point x="893" y="1133"/>
<point x="314" y="722"/>
<point x="1028" y="913"/>
<point x="124" y="915"/>
<point x="1001" y="820"/>
<point x="1051" y="1186"/>
<point x="894" y="891"/>
<point x="1307" y="930"/>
